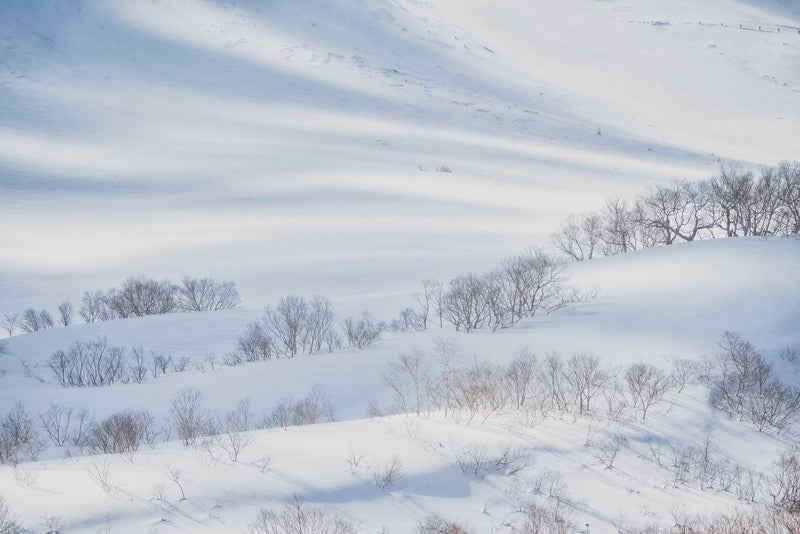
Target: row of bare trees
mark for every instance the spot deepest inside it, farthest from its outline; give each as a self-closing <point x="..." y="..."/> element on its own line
<point x="439" y="380"/>
<point x="137" y="296"/>
<point x="522" y="286"/>
<point x="299" y="326"/>
<point x="731" y="203"/>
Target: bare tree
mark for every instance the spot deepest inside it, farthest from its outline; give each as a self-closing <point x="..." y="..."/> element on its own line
<point x="206" y="294"/>
<point x="19" y="437"/>
<point x="287" y="322"/>
<point x="89" y="363"/>
<point x="465" y="304"/>
<point x="647" y="385"/>
<point x="408" y="376"/>
<point x="363" y="332"/>
<point x="121" y="432"/>
<point x="66" y="314"/>
<point x="427" y="299"/>
<point x="445" y="351"/>
<point x="319" y="325"/>
<point x="33" y="321"/>
<point x="438" y="525"/>
<point x="519" y="376"/>
<point x="141" y="296"/>
<point x="586" y="376"/>
<point x="56" y="423"/>
<point x="256" y="344"/>
<point x="786" y="488"/>
<point x="678" y="211"/>
<point x="741" y="369"/>
<point x="189" y="416"/>
<point x="236" y="426"/>
<point x="95" y="307"/>
<point x="8" y="522"/>
<point x="788" y="177"/>
<point x="580" y="237"/>
<point x="11" y="322"/>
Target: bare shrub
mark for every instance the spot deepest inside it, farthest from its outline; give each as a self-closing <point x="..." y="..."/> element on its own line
<point x="56" y="423"/>
<point x="580" y="237"/>
<point x="206" y="294"/>
<point x="236" y="426"/>
<point x="786" y="484"/>
<point x="309" y="410"/>
<point x="683" y="371"/>
<point x="122" y="432"/>
<point x="140" y="296"/>
<point x="299" y="518"/>
<point x="438" y="525"/>
<point x="586" y="376"/>
<point x="551" y="517"/>
<point x="408" y="377"/>
<point x="33" y="321"/>
<point x="743" y="386"/>
<point x="66" y="314"/>
<point x="89" y="363"/>
<point x="519" y="376"/>
<point x="363" y="332"/>
<point x="10" y="323"/>
<point x="99" y="471"/>
<point x="95" y="307"/>
<point x="479" y="388"/>
<point x="51" y="523"/>
<point x="391" y="473"/>
<point x="647" y="385"/>
<point x="8" y="522"/>
<point x="476" y="461"/>
<point x="175" y="475"/>
<point x="189" y="416"/>
<point x="19" y="437"/>
<point x="606" y="450"/>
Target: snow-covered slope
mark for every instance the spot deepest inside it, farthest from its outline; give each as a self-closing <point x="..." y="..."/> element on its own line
<point x="293" y="147"/>
<point x="350" y="149"/>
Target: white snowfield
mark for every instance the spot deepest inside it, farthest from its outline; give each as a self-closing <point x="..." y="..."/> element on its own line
<point x="350" y="149"/>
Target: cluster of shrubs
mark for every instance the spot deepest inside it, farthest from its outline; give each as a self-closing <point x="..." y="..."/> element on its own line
<point x="732" y="203"/>
<point x="739" y="380"/>
<point x="23" y="437"/>
<point x="137" y="296"/>
<point x="97" y="363"/>
<point x="297" y="326"/>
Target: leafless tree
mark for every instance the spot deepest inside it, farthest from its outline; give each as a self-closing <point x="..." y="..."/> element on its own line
<point x="95" y="307"/>
<point x="236" y="426"/>
<point x="206" y="294"/>
<point x="580" y="237"/>
<point x="89" y="363"/>
<point x="141" y="296"/>
<point x="586" y="376"/>
<point x="647" y="385"/>
<point x="286" y="323"/>
<point x="408" y="376"/>
<point x="678" y="211"/>
<point x="479" y="388"/>
<point x="33" y="321"/>
<point x="319" y="325"/>
<point x="465" y="304"/>
<point x="445" y="352"/>
<point x="428" y="301"/>
<point x="520" y="375"/>
<point x="8" y="522"/>
<point x="622" y="231"/>
<point x="552" y="379"/>
<point x="256" y="344"/>
<point x="66" y="314"/>
<point x="788" y="177"/>
<point x="56" y="423"/>
<point x="786" y="485"/>
<point x="11" y="322"/>
<point x="364" y="332"/>
<point x="189" y="416"/>
<point x="741" y="369"/>
<point x="121" y="432"/>
<point x="19" y="437"/>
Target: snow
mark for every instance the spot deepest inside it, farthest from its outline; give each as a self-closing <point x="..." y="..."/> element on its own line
<point x="294" y="149"/>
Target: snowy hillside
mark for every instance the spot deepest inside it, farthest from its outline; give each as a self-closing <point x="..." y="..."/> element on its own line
<point x="351" y="149"/>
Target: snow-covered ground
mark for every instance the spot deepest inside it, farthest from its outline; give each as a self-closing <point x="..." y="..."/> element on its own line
<point x="301" y="148"/>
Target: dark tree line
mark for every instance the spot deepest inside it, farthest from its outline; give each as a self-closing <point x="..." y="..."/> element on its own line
<point x="731" y="203"/>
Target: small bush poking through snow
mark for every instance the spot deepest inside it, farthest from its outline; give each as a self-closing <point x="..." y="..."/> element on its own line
<point x="8" y="525"/>
<point x="298" y="518"/>
<point x="438" y="525"/>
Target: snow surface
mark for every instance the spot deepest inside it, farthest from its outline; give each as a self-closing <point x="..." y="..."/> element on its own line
<point x="293" y="148"/>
